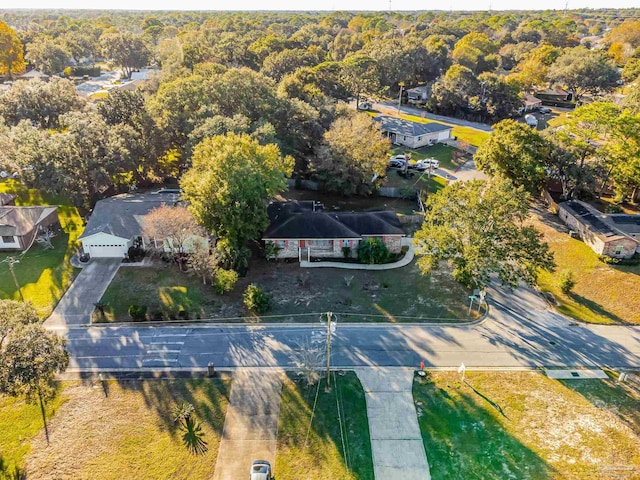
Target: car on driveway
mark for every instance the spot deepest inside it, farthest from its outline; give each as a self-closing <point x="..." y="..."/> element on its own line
<point x="425" y="164"/>
<point x="260" y="470"/>
<point x="544" y="110"/>
<point x="397" y="162"/>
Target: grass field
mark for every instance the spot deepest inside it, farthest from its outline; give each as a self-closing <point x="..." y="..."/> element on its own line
<point x="19" y="423"/>
<point x="397" y="295"/>
<point x="130" y="433"/>
<point x="417" y="182"/>
<point x="44" y="275"/>
<point x="338" y="446"/>
<point x="603" y="293"/>
<point x="523" y="425"/>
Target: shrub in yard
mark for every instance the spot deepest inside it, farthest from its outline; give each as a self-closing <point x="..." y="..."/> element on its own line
<point x="373" y="250"/>
<point x="224" y="280"/>
<point x="346" y="252"/>
<point x="567" y="282"/>
<point x="157" y="315"/>
<point x="183" y="315"/>
<point x="256" y="299"/>
<point x="137" y="312"/>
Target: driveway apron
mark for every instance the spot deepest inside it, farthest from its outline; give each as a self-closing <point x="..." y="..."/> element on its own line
<point x="396" y="443"/>
<point x="251" y="424"/>
<point x="76" y="306"/>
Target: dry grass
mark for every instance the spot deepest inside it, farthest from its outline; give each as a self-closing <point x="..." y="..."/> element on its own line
<point x="130" y="434"/>
<point x="603" y="293"/>
<point x="525" y="425"/>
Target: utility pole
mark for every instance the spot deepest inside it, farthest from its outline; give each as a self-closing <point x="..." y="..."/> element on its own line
<point x="400" y="97"/>
<point x="331" y="327"/>
<point x="11" y="261"/>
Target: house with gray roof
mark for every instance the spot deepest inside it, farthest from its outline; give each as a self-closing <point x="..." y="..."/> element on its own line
<point x="413" y="134"/>
<point x="302" y="230"/>
<point x="116" y="223"/>
<point x="19" y="226"/>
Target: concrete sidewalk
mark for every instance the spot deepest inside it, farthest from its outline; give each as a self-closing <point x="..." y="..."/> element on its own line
<point x="403" y="262"/>
<point x="77" y="304"/>
<point x="396" y="443"/>
<point x="251" y="424"/>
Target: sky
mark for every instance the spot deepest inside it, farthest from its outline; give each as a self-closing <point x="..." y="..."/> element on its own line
<point x="399" y="5"/>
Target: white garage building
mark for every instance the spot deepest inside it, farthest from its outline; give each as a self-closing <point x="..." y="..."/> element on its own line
<point x="116" y="222"/>
<point x="413" y="134"/>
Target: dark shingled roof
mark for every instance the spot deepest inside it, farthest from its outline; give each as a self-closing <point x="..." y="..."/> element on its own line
<point x="407" y="128"/>
<point x="21" y="220"/>
<point x="298" y="220"/>
<point x="6" y="198"/>
<point x="122" y="215"/>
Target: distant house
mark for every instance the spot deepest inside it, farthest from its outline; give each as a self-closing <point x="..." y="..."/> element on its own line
<point x="531" y="103"/>
<point x="303" y="232"/>
<point x="19" y="226"/>
<point x="418" y="95"/>
<point x="116" y="224"/>
<point x="413" y="134"/>
<point x="7" y="199"/>
<point x="30" y="75"/>
<point x="613" y="235"/>
<point x="554" y="96"/>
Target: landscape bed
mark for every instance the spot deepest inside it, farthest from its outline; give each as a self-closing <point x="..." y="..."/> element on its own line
<point x="298" y="294"/>
<point x="525" y="425"/>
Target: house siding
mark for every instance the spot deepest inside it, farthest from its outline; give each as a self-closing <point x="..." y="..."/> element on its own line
<point x="297" y="248"/>
<point x="596" y="242"/>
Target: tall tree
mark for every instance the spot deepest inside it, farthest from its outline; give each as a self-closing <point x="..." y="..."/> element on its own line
<point x="126" y="50"/>
<point x="516" y="151"/>
<point x="228" y="186"/>
<point x="352" y="157"/>
<point x="11" y="51"/>
<point x="360" y="75"/>
<point x="477" y="52"/>
<point x="47" y="55"/>
<point x="584" y="71"/>
<point x="479" y="228"/>
<point x="30" y="356"/>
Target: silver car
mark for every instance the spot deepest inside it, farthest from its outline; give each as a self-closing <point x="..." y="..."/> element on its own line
<point x="260" y="470"/>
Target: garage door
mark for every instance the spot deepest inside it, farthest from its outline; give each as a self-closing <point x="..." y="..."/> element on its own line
<point x="444" y="135"/>
<point x="107" y="251"/>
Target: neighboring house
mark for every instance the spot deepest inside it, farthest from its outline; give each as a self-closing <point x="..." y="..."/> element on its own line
<point x="531" y="103"/>
<point x="554" y="96"/>
<point x="19" y="226"/>
<point x="413" y="134"/>
<point x="418" y="95"/>
<point x="613" y="235"/>
<point x="303" y="232"/>
<point x="7" y="199"/>
<point x="116" y="224"/>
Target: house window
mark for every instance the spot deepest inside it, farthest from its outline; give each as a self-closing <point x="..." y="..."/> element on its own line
<point x="281" y="243"/>
<point x="7" y="239"/>
<point x="346" y="243"/>
<point x="419" y="138"/>
<point x="619" y="249"/>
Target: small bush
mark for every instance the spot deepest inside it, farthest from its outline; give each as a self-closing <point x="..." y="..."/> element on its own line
<point x="613" y="208"/>
<point x="256" y="299"/>
<point x="567" y="282"/>
<point x="404" y="250"/>
<point x="373" y="250"/>
<point x="224" y="280"/>
<point x="346" y="252"/>
<point x="183" y="315"/>
<point x="137" y="312"/>
<point x="157" y="316"/>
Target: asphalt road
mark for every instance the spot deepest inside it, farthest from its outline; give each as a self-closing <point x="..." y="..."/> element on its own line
<point x="519" y="332"/>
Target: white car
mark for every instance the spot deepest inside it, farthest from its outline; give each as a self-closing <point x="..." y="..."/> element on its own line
<point x="260" y="470"/>
<point x="426" y="164"/>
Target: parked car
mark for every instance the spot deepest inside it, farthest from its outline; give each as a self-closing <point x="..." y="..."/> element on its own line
<point x="364" y="106"/>
<point x="423" y="165"/>
<point x="544" y="110"/>
<point x="174" y="191"/>
<point x="260" y="470"/>
<point x="397" y="161"/>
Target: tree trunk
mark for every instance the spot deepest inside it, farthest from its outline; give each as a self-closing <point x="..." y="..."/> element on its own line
<point x="44" y="416"/>
<point x="604" y="182"/>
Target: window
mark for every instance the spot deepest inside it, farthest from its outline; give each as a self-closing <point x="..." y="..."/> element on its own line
<point x="346" y="243"/>
<point x="281" y="243"/>
<point x="8" y="239"/>
<point x="619" y="249"/>
<point x="321" y="243"/>
<point x="419" y="138"/>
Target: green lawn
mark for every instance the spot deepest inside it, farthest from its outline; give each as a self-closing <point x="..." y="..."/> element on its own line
<point x="417" y="182"/>
<point x="442" y="153"/>
<point x="525" y="425"/>
<point x="338" y="446"/>
<point x="603" y="293"/>
<point x="19" y="423"/>
<point x="472" y="136"/>
<point x="397" y="295"/>
<point x="130" y="434"/>
<point x="44" y="275"/>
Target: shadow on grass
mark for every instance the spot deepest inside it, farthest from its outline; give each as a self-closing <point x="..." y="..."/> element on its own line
<point x="7" y="473"/>
<point x="463" y="439"/>
<point x="332" y="439"/>
<point x="487" y="399"/>
<point x="596" y="308"/>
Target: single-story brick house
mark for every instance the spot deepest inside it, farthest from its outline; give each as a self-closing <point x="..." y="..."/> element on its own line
<point x="302" y="231"/>
<point x="19" y="226"/>
<point x="116" y="223"/>
<point x="613" y="235"/>
<point x="413" y="134"/>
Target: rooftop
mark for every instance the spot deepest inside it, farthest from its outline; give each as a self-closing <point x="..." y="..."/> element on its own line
<point x="407" y="128"/>
<point x="22" y="220"/>
<point x="607" y="225"/>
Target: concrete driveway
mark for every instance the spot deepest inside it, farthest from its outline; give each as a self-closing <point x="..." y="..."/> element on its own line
<point x="77" y="304"/>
